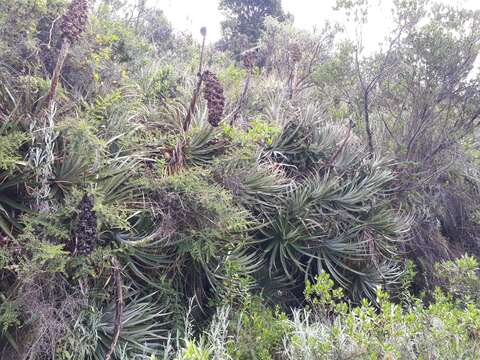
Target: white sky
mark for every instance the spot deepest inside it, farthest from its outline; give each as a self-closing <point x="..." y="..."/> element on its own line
<point x="191" y="15"/>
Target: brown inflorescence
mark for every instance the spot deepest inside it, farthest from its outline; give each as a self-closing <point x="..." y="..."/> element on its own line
<point x="249" y="58"/>
<point x="74" y="22"/>
<point x="213" y="94"/>
<point x="85" y="230"/>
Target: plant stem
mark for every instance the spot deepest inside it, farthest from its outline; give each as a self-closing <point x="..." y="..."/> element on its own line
<point x="119" y="306"/>
<point x="58" y="70"/>
<point x="191" y="109"/>
<point x="241" y="101"/>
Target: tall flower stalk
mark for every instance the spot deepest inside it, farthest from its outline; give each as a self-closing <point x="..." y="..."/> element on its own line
<point x="213" y="94"/>
<point x="198" y="86"/>
<point x="41" y="155"/>
<point x="73" y="24"/>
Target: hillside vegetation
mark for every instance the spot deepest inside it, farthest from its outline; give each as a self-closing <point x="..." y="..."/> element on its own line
<point x="278" y="195"/>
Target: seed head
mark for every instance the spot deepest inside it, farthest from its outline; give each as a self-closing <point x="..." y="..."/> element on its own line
<point x="213" y="93"/>
<point x="74" y="21"/>
<point x="203" y="31"/>
<point x="85" y="229"/>
<point x="249" y="58"/>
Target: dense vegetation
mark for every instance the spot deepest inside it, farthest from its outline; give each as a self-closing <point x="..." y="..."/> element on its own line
<point x="281" y="194"/>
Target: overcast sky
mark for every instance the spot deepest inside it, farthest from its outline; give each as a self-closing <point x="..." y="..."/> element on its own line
<point x="190" y="15"/>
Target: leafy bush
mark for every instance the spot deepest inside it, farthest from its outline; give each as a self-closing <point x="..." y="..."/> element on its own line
<point x="301" y="227"/>
<point x="442" y="329"/>
<point x="461" y="278"/>
<point x="330" y="328"/>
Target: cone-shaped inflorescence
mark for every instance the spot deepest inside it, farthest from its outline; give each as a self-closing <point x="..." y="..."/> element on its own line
<point x="74" y="21"/>
<point x="85" y="230"/>
<point x="295" y="53"/>
<point x="213" y="94"/>
<point x="249" y="59"/>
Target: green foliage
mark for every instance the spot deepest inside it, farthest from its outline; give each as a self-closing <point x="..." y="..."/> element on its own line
<point x="333" y="217"/>
<point x="160" y="85"/>
<point x="207" y="200"/>
<point x="461" y="278"/>
<point x="10" y="159"/>
<point x="322" y="294"/>
<point x="256" y="324"/>
<point x="11" y="178"/>
<point x="144" y="327"/>
<point x="335" y="329"/>
<point x="9" y="315"/>
<point x="10" y="204"/>
<point x="232" y="77"/>
<point x="277" y="238"/>
<point x="390" y="332"/>
<point x="48" y="257"/>
<point x="24" y="25"/>
<point x="204" y="145"/>
<point x="259" y="133"/>
<point x="116" y="41"/>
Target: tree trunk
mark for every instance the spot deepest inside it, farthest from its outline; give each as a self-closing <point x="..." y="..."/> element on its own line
<point x="367" y="124"/>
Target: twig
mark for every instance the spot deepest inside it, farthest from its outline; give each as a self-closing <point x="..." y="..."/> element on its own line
<point x="241" y="101"/>
<point x="119" y="306"/>
<point x="292" y="81"/>
<point x="51" y="31"/>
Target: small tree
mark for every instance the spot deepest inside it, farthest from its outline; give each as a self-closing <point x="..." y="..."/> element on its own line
<point x="245" y="21"/>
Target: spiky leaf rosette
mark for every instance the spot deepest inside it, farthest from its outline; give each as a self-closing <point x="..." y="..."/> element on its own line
<point x="74" y="21"/>
<point x="339" y="215"/>
<point x="145" y="327"/>
<point x="85" y="230"/>
<point x="213" y="94"/>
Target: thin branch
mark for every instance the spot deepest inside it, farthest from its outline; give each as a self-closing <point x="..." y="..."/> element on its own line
<point x="51" y="31"/>
<point x="119" y="306"/>
<point x="390" y="131"/>
<point x="243" y="97"/>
